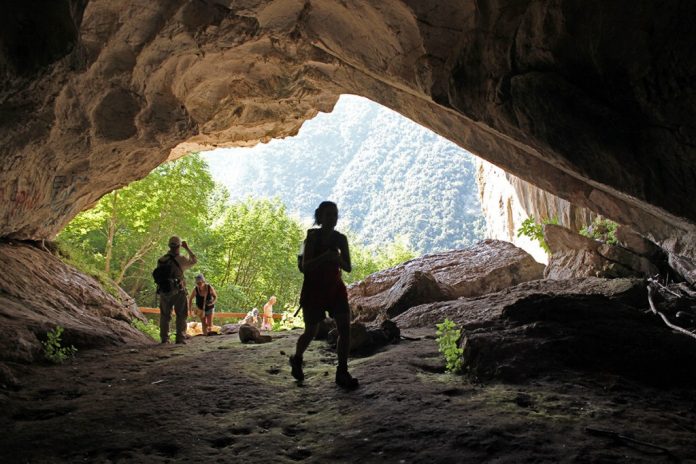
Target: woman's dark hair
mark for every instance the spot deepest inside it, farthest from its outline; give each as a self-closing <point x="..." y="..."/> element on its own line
<point x="322" y="206"/>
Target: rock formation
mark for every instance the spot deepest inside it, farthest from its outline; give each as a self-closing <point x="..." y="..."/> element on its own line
<point x="40" y="292"/>
<point x="506" y="201"/>
<point x="488" y="266"/>
<point x="574" y="255"/>
<point x="545" y="326"/>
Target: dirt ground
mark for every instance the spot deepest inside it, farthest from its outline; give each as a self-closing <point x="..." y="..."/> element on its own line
<point x="216" y="400"/>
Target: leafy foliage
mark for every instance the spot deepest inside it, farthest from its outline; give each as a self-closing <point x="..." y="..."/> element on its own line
<point x="247" y="250"/>
<point x="126" y="231"/>
<point x="289" y="321"/>
<point x="447" y="341"/>
<point x="370" y="259"/>
<point x="601" y="229"/>
<point x="535" y="231"/>
<point x="53" y="348"/>
<point x="149" y="328"/>
<point x="253" y="254"/>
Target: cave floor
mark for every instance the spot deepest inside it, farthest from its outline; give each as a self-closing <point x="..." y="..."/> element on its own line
<point x="216" y="400"/>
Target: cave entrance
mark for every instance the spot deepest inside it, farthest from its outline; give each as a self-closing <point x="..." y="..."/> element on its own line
<point x="401" y="189"/>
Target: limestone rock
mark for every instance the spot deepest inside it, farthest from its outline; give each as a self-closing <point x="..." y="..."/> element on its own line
<point x="364" y="341"/>
<point x="547" y="326"/>
<point x="39" y="292"/>
<point x="544" y="334"/>
<point x="560" y="239"/>
<point x="507" y="201"/>
<point x="488" y="266"/>
<point x="574" y="255"/>
<point x="250" y="334"/>
<point x="412" y="289"/>
<point x="475" y="312"/>
<point x="633" y="241"/>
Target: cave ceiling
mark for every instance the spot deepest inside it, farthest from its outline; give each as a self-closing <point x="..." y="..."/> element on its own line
<point x="593" y="101"/>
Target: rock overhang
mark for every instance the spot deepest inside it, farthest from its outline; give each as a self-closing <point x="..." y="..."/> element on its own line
<point x="592" y="103"/>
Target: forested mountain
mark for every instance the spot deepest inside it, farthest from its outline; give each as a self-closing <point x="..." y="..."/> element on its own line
<point x="389" y="176"/>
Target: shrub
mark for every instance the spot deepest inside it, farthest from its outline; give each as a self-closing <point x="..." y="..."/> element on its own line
<point x="53" y="349"/>
<point x="447" y="342"/>
<point x="149" y="328"/>
<point x="289" y="321"/>
<point x="535" y="231"/>
<point x="601" y="229"/>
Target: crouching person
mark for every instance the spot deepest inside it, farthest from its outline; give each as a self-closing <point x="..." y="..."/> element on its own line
<point x="169" y="277"/>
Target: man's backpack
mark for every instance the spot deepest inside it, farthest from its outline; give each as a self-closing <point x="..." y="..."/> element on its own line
<point x="165" y="275"/>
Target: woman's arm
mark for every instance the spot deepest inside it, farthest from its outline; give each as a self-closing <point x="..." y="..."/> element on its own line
<point x="344" y="258"/>
<point x="213" y="293"/>
<point x="309" y="260"/>
<point x="190" y="301"/>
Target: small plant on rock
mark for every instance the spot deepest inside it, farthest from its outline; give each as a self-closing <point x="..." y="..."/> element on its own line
<point x="54" y="350"/>
<point x="535" y="231"/>
<point x="447" y="341"/>
<point x="601" y="229"/>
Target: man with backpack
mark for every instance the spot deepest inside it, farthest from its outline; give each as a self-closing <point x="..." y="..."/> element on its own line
<point x="171" y="288"/>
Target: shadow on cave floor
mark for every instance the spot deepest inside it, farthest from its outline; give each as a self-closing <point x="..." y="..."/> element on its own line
<point x="216" y="400"/>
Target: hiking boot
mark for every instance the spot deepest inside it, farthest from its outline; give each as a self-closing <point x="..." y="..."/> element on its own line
<point x="296" y="368"/>
<point x="181" y="342"/>
<point x="346" y="381"/>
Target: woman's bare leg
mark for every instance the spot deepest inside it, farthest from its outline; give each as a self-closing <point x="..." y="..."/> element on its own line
<point x="203" y="322"/>
<point x="343" y="378"/>
<point x="343" y="342"/>
<point x="307" y="336"/>
<point x="209" y="323"/>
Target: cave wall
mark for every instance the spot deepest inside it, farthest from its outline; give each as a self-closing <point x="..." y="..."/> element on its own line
<point x="592" y="101"/>
<point x="507" y="201"/>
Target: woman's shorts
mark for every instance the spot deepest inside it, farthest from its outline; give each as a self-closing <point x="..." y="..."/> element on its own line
<point x="207" y="312"/>
<point x="316" y="315"/>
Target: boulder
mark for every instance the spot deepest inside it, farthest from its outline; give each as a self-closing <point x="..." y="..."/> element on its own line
<point x="546" y="326"/>
<point x="488" y="266"/>
<point x="478" y="311"/>
<point x="38" y="292"/>
<point x="636" y="243"/>
<point x="364" y="340"/>
<point x="412" y="289"/>
<point x="250" y="334"/>
<point x="325" y="326"/>
<point x="561" y="239"/>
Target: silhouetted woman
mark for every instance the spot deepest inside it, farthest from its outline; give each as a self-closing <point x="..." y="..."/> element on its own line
<point x="325" y="254"/>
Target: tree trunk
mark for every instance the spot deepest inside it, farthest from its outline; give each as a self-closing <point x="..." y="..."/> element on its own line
<point x="111" y="233"/>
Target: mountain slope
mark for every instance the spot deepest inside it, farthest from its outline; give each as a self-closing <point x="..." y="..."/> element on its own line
<point x="389" y="176"/>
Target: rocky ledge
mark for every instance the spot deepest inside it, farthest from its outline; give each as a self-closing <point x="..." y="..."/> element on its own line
<point x="585" y="324"/>
<point x="39" y="292"/>
<point x="488" y="266"/>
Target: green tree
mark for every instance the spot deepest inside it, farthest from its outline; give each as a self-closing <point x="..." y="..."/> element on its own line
<point x="127" y="229"/>
<point x="255" y="254"/>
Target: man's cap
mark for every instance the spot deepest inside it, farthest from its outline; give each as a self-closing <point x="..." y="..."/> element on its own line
<point x="200" y="278"/>
<point x="174" y="241"/>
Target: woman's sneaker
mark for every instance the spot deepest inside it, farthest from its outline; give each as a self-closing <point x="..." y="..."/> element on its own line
<point x="345" y="380"/>
<point x="296" y="368"/>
